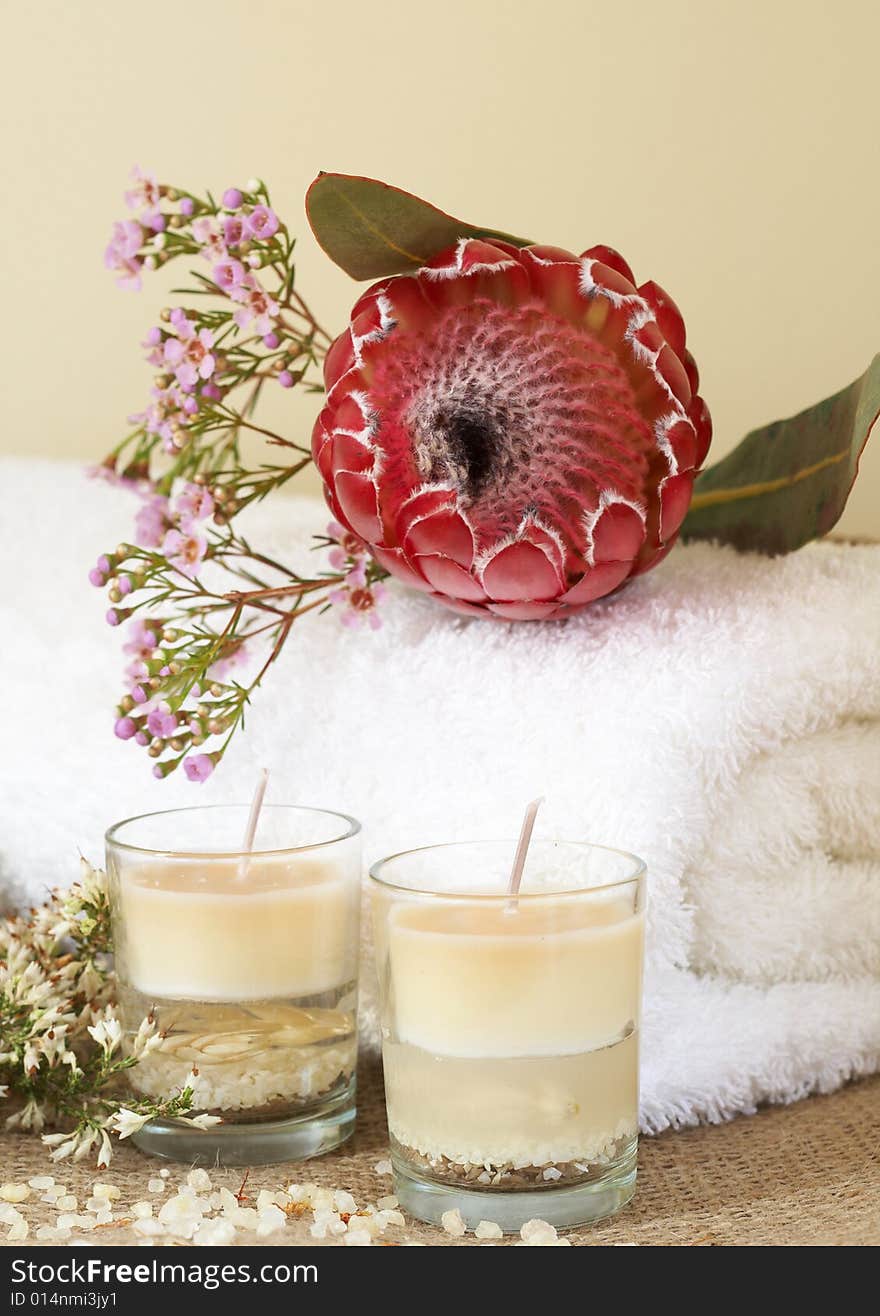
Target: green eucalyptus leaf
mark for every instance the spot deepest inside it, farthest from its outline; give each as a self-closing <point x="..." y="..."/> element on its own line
<point x="788" y="482"/>
<point x="371" y="229"/>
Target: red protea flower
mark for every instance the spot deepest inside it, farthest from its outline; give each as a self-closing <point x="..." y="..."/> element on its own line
<point x="514" y="430"/>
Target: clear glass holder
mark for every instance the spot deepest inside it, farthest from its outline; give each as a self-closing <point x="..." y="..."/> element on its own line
<point x="319" y="1129"/>
<point x="510" y="1029"/>
<point x="583" y="1203"/>
<point x="247" y="963"/>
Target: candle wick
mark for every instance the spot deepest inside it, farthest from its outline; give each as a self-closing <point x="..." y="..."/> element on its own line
<point x="522" y="851"/>
<point x="253" y="819"/>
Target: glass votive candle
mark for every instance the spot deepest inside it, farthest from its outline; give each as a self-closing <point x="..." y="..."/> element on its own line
<point x="248" y="960"/>
<point x="510" y="1029"/>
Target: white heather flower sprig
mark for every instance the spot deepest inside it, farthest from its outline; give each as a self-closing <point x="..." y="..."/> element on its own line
<point x="200" y="601"/>
<point x="62" y="1039"/>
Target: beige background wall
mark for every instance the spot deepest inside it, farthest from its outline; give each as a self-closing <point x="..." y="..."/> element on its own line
<point x="729" y="149"/>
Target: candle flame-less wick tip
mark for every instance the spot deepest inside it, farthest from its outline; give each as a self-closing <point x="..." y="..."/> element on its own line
<point x="253" y="819"/>
<point x="522" y="850"/>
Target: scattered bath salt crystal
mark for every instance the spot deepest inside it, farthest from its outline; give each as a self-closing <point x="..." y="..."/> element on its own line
<point x="14" y="1192"/>
<point x="67" y="1203"/>
<point x="142" y="1210"/>
<point x="104" y="1218"/>
<point x="344" y="1201"/>
<point x="318" y="1230"/>
<point x="228" y="1201"/>
<point x="155" y="1186"/>
<point x="86" y="1222"/>
<point x="485" y="1177"/>
<point x="41" y="1181"/>
<point x="392" y="1217"/>
<point x="214" y="1233"/>
<point x="8" y="1213"/>
<point x="383" y="1167"/>
<point x="181" y="1215"/>
<point x="164" y="1173"/>
<point x="488" y="1229"/>
<point x="321" y="1199"/>
<point x="96" y="1204"/>
<point x="244" y="1217"/>
<point x="148" y="1228"/>
<point x="387" y="1203"/>
<point x="199" y="1180"/>
<point x="51" y="1232"/>
<point x="538" y="1232"/>
<point x="19" y="1230"/>
<point x="266" y="1198"/>
<point x="271" y="1219"/>
<point x="552" y="1173"/>
<point x="453" y="1223"/>
<point x="66" y="1220"/>
<point x="358" y="1238"/>
<point x="329" y="1222"/>
<point x="108" y="1190"/>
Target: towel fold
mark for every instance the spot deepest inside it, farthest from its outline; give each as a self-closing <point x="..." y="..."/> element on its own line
<point x="718" y="717"/>
<point x="788" y="886"/>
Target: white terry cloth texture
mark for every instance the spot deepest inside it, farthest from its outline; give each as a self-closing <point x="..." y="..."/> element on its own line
<point x="720" y="717"/>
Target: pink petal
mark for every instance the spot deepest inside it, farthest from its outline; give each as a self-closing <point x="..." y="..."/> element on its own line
<point x="669" y="366"/>
<point x="357" y="498"/>
<point x="445" y="532"/>
<point x="338" y="360"/>
<point x="521" y="573"/>
<point x="523" y="611"/>
<point x="618" y="534"/>
<point x="675" y="499"/>
<point x="393" y="560"/>
<point x="349" y="454"/>
<point x="447" y="577"/>
<point x="458" y="605"/>
<point x="597" y="582"/>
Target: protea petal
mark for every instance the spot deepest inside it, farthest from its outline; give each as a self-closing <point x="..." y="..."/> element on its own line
<point x="617" y="533"/>
<point x="675" y="499"/>
<point x="442" y="532"/>
<point x="667" y="315"/>
<point x="521" y="572"/>
<point x="513" y="430"/>
<point x="447" y="577"/>
<point x="360" y="509"/>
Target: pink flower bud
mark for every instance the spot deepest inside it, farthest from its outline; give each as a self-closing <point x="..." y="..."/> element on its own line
<point x="271" y="341"/>
<point x="142" y="738"/>
<point x="125" y="728"/>
<point x="232" y="198"/>
<point x="286" y="379"/>
<point x="198" y="767"/>
<point x="97" y="578"/>
<point x="187" y="205"/>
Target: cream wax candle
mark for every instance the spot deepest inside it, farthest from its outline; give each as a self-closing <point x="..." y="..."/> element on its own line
<point x="248" y="961"/>
<point x="511" y="1028"/>
<point x="285" y="927"/>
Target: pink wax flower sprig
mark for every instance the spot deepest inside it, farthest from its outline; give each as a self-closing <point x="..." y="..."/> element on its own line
<point x="204" y="613"/>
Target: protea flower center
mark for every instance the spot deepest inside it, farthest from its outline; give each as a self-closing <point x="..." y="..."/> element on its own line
<point x="512" y="430"/>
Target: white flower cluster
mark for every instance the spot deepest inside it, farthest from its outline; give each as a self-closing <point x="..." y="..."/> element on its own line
<point x="61" y="1035"/>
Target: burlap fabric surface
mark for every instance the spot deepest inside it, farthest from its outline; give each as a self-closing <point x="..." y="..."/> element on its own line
<point x="802" y="1174"/>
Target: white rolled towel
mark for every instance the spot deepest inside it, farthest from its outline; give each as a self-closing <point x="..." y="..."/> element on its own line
<point x="789" y="887"/>
<point x="646" y="722"/>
